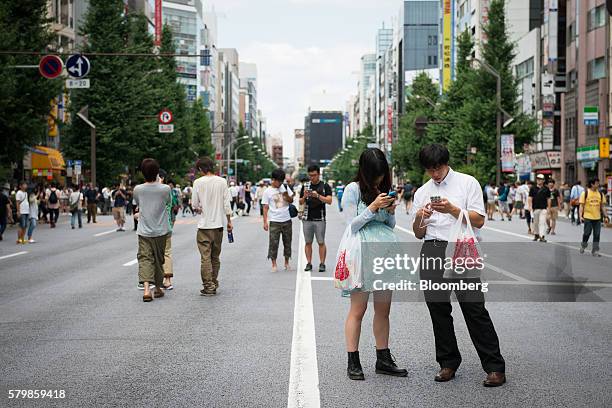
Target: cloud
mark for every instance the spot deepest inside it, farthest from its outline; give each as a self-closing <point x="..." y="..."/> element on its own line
<point x="291" y="79"/>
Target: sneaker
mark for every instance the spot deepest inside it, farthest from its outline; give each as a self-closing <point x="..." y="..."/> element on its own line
<point x="536" y="237"/>
<point x="542" y="239"/>
<point x="308" y="267"/>
<point x="596" y="254"/>
<point x="31" y="241"/>
<point x="141" y="286"/>
<point x="205" y="292"/>
<point x="322" y="268"/>
<point x="581" y="250"/>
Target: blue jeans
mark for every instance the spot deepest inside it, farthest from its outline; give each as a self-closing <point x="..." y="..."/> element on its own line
<point x="591" y="226"/>
<point x="32" y="226"/>
<point x="76" y="214"/>
<point x="339" y="203"/>
<point x="23" y="221"/>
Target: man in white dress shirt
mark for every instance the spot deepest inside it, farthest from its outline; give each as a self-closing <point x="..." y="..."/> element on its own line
<point x="437" y="205"/>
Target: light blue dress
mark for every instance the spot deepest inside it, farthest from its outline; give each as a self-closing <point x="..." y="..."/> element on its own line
<point x="372" y="227"/>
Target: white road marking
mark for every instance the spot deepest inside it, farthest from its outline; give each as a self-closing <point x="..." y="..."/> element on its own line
<point x="577" y="248"/>
<point x="507" y="273"/>
<point x="322" y="278"/>
<point x="304" y="372"/>
<point x="104" y="233"/>
<point x="407" y="231"/>
<point x="12" y="255"/>
<point x="132" y="262"/>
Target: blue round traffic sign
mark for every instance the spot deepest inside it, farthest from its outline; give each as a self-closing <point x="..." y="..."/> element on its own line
<point x="77" y="66"/>
<point x="50" y="66"/>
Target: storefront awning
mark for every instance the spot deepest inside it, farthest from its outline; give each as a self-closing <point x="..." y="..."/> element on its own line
<point x="47" y="158"/>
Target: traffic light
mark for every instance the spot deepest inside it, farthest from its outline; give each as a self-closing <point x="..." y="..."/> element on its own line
<point x="420" y="125"/>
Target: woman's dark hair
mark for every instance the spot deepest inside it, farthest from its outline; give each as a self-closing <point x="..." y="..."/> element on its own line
<point x="278" y="174"/>
<point x="373" y="164"/>
<point x="205" y="165"/>
<point x="433" y="155"/>
<point x="150" y="169"/>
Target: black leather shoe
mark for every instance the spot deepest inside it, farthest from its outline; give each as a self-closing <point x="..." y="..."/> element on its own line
<point x="308" y="267"/>
<point x="385" y="364"/>
<point x="494" y="379"/>
<point x="354" y="370"/>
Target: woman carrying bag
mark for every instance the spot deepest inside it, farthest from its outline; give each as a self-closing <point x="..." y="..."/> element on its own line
<point x="370" y="213"/>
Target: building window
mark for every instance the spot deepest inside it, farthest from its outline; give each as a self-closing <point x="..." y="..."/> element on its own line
<point x="524" y="69"/>
<point x="597" y="18"/>
<point x="596" y="69"/>
<point x="435" y="60"/>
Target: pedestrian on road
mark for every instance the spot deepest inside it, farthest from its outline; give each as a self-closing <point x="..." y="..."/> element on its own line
<point x="339" y="194"/>
<point x="504" y="208"/>
<point x="234" y="194"/>
<point x="33" y="218"/>
<point x="491" y="193"/>
<point x="248" y="198"/>
<point x="42" y="205"/>
<point x="555" y="205"/>
<point x="23" y="211"/>
<point x="314" y="195"/>
<point x="407" y="194"/>
<point x="6" y="212"/>
<point x="211" y="199"/>
<point x="370" y="212"/>
<point x="152" y="199"/>
<point x="119" y="195"/>
<point x="64" y="195"/>
<point x="276" y="217"/>
<point x="259" y="195"/>
<point x="433" y="223"/>
<point x="53" y="204"/>
<point x="592" y="212"/>
<point x="575" y="194"/>
<point x="91" y="195"/>
<point x="187" y="192"/>
<point x="75" y="203"/>
<point x="168" y="268"/>
<point x="523" y="191"/>
<point x="539" y="202"/>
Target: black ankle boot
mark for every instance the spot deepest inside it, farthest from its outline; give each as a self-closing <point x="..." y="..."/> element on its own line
<point x="385" y="364"/>
<point x="354" y="370"/>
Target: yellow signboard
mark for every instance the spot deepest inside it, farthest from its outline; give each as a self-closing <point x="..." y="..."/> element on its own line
<point x="446" y="45"/>
<point x="604" y="147"/>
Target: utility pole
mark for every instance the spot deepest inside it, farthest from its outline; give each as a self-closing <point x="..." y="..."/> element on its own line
<point x="84" y="114"/>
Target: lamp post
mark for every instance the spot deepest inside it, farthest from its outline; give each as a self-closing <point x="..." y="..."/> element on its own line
<point x="84" y="115"/>
<point x="250" y="142"/>
<point x="500" y="112"/>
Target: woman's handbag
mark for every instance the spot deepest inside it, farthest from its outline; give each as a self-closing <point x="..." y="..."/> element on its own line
<point x="293" y="212"/>
<point x="467" y="256"/>
<point x="348" y="274"/>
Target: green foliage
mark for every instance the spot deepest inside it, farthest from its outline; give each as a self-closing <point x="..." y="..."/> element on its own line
<point x="24" y="94"/>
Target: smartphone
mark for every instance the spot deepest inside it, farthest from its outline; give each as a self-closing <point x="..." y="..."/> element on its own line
<point x="392" y="194"/>
<point x="435" y="199"/>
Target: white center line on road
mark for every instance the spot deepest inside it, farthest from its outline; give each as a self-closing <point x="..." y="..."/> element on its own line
<point x="104" y="233"/>
<point x="322" y="278"/>
<point x="12" y="255"/>
<point x="304" y="372"/>
<point x="132" y="262"/>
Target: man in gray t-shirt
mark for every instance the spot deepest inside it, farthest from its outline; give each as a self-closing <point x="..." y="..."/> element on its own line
<point x="153" y="228"/>
<point x="152" y="199"/>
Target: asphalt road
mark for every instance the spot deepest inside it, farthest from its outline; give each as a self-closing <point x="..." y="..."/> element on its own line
<point x="73" y="320"/>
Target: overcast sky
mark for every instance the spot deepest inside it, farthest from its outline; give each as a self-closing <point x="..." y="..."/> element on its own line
<point x="307" y="51"/>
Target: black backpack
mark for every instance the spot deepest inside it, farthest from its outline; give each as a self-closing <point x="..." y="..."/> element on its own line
<point x="53" y="197"/>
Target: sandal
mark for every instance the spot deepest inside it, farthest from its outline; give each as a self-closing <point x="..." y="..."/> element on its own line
<point x="158" y="293"/>
<point x="147" y="298"/>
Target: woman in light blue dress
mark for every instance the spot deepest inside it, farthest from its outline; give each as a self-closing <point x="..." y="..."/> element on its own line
<point x="371" y="212"/>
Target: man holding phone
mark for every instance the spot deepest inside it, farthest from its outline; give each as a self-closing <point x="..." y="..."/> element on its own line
<point x="437" y="205"/>
<point x="314" y="196"/>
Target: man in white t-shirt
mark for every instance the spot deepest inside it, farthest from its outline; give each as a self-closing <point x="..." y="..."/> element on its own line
<point x="234" y="195"/>
<point x="75" y="203"/>
<point x="276" y="218"/>
<point x="23" y="211"/>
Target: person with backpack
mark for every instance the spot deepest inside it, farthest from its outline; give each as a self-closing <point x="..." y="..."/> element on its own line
<point x="53" y="204"/>
<point x="75" y="204"/>
<point x="276" y="200"/>
<point x="592" y="212"/>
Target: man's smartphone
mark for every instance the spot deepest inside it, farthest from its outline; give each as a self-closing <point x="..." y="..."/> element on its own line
<point x="435" y="199"/>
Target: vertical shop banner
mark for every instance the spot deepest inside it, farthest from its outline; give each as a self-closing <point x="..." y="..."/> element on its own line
<point x="507" y="153"/>
<point x="158" y="22"/>
<point x="389" y="124"/>
<point x="447" y="45"/>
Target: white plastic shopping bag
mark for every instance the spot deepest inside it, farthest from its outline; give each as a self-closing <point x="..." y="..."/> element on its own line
<point x="467" y="260"/>
<point x="348" y="274"/>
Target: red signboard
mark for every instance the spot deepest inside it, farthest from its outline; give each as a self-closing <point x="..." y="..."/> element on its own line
<point x="50" y="66"/>
<point x="158" y="22"/>
<point x="165" y="117"/>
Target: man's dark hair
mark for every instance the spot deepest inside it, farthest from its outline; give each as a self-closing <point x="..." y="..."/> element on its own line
<point x="150" y="169"/>
<point x="205" y="165"/>
<point x="551" y="180"/>
<point x="163" y="174"/>
<point x="593" y="181"/>
<point x="278" y="174"/>
<point x="579" y="182"/>
<point x="433" y="155"/>
<point x="314" y="167"/>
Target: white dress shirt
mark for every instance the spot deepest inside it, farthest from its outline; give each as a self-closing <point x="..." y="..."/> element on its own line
<point x="211" y="195"/>
<point x="462" y="190"/>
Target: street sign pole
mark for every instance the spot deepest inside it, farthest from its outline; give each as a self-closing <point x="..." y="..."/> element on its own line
<point x="83" y="114"/>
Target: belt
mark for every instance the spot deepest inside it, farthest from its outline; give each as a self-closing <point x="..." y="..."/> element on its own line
<point x="437" y="241"/>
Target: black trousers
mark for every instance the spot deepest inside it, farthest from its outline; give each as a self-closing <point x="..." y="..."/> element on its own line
<point x="472" y="303"/>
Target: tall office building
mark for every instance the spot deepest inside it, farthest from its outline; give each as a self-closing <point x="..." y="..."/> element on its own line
<point x="366" y="80"/>
<point x="248" y="84"/>
<point x="323" y="132"/>
<point x="384" y="42"/>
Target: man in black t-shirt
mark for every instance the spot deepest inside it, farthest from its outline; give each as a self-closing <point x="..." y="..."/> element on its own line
<point x="553" y="211"/>
<point x="314" y="196"/>
<point x="539" y="202"/>
<point x="5" y="209"/>
<point x="120" y="197"/>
